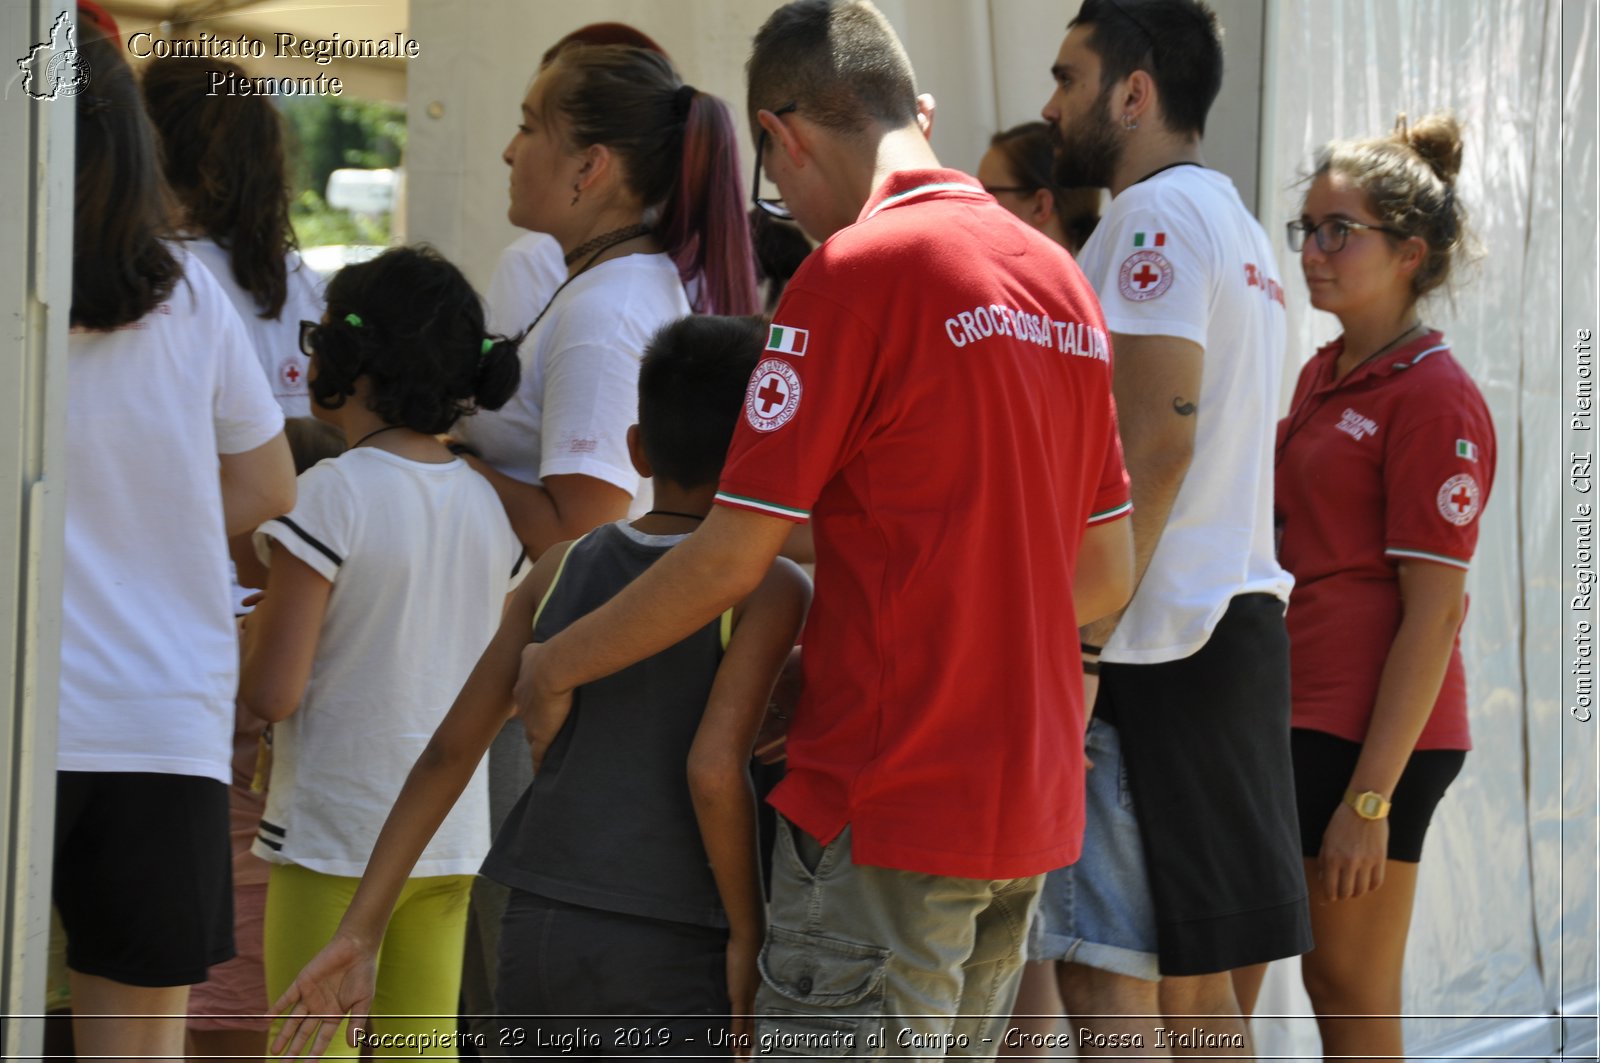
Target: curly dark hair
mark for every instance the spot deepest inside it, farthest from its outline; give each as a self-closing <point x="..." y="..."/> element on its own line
<point x="410" y="323"/>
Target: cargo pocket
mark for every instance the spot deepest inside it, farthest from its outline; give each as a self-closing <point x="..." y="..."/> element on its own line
<point x="824" y="996"/>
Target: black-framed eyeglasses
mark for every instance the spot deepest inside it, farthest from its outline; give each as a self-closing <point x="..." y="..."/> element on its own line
<point x="774" y="207"/>
<point x="1331" y="233"/>
<point x="306" y="329"/>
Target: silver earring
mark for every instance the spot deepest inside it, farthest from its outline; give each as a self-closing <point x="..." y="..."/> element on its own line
<point x="1129" y="123"/>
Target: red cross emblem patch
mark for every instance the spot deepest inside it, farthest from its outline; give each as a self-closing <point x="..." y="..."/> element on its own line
<point x="292" y="375"/>
<point x="773" y="395"/>
<point x="1144" y="275"/>
<point x="1458" y="499"/>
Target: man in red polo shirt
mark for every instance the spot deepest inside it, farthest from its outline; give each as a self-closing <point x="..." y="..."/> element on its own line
<point x="935" y="399"/>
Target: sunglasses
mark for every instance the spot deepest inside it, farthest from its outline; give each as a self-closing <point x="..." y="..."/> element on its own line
<point x="772" y="207"/>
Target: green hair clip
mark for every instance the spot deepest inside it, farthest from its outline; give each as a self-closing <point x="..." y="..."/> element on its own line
<point x="488" y="345"/>
<point x="353" y="319"/>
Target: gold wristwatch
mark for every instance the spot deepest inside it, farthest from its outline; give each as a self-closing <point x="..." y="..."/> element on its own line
<point x="1368" y="805"/>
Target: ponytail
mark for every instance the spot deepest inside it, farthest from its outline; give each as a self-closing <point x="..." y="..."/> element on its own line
<point x="679" y="153"/>
<point x="703" y="224"/>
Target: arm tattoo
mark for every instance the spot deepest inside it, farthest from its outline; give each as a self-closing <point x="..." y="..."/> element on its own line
<point x="1182" y="408"/>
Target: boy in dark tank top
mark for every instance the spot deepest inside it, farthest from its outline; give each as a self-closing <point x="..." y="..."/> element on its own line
<point x="636" y="913"/>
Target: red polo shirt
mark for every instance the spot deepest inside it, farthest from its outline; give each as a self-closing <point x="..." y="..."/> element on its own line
<point x="1392" y="463"/>
<point x="935" y="398"/>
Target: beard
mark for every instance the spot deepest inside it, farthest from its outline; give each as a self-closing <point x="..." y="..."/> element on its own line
<point x="1086" y="155"/>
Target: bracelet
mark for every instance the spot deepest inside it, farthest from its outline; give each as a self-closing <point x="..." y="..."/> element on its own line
<point x="1090" y="648"/>
<point x="1091" y="667"/>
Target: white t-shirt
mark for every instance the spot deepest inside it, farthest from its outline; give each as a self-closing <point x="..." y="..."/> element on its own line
<point x="1179" y="255"/>
<point x="277" y="341"/>
<point x="580" y="378"/>
<point x="529" y="271"/>
<point x="149" y="652"/>
<point x="420" y="557"/>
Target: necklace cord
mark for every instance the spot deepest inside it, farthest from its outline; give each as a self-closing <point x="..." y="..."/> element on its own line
<point x="601" y="244"/>
<point x="374" y="432"/>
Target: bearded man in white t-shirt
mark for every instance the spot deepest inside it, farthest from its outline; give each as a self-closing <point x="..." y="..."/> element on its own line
<point x="1204" y="875"/>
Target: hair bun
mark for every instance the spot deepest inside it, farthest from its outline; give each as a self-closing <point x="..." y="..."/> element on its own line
<point x="1436" y="138"/>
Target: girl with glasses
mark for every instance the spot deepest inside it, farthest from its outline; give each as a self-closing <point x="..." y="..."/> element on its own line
<point x="386" y="581"/>
<point x="1384" y="465"/>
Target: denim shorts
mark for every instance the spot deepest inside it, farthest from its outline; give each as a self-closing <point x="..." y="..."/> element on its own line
<point x="1205" y="790"/>
<point x="1098" y="912"/>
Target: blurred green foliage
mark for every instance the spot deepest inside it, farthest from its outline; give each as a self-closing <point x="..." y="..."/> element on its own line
<point x="328" y="133"/>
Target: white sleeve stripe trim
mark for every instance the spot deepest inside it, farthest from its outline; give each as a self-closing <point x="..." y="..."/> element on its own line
<point x="1423" y="555"/>
<point x="1111" y="514"/>
<point x="744" y="502"/>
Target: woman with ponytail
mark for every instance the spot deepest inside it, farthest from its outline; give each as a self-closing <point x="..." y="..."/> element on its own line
<point x="636" y="176"/>
<point x="530" y="268"/>
<point x="224" y="158"/>
<point x="1384" y="465"/>
<point x="385" y="583"/>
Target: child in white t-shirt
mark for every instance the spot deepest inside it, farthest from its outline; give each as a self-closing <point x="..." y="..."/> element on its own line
<point x="386" y="582"/>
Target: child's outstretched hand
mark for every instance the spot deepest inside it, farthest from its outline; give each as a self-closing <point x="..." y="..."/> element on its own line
<point x="337" y="981"/>
<point x="543" y="712"/>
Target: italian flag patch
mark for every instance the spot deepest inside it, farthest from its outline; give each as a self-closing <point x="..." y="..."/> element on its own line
<point x="1466" y="450"/>
<point x="1149" y="239"/>
<point x="785" y="340"/>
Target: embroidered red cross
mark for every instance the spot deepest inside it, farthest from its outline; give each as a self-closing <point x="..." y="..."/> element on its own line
<point x="1145" y="277"/>
<point x="293" y="374"/>
<point x="772" y="397"/>
<point x="1462" y="499"/>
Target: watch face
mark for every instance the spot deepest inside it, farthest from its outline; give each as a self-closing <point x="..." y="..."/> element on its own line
<point x="1369" y="806"/>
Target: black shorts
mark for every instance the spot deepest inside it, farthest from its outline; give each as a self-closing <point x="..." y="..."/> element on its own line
<point x="582" y="983"/>
<point x="143" y="875"/>
<point x="1323" y="764"/>
<point x="1205" y="740"/>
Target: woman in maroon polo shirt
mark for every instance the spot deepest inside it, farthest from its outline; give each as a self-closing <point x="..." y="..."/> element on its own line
<point x="1383" y="467"/>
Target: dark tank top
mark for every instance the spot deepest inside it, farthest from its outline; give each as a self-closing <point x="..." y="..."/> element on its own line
<point x="608" y="822"/>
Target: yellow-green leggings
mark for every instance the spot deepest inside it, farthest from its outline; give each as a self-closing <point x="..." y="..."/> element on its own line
<point x="419" y="963"/>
